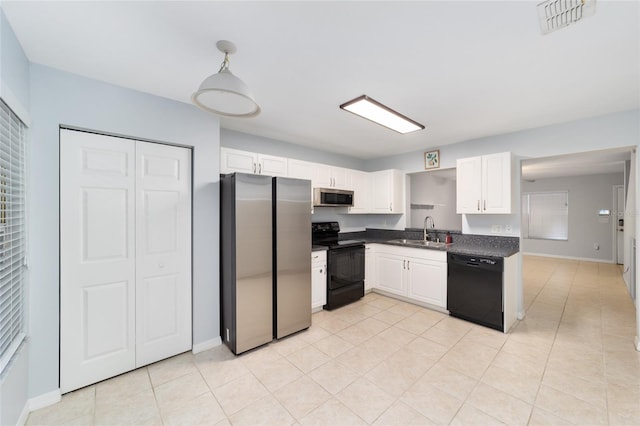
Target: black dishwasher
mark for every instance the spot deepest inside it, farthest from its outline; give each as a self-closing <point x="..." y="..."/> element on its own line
<point x="474" y="289"/>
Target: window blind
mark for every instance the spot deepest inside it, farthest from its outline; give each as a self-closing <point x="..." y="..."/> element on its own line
<point x="545" y="215"/>
<point x="12" y="232"/>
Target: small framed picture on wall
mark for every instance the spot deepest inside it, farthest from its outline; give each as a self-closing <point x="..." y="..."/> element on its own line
<point x="432" y="159"/>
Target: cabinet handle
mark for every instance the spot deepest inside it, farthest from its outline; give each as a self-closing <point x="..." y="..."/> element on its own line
<point x="404" y="264"/>
<point x="485" y="205"/>
<point x="254" y="167"/>
<point x="478" y="205"/>
<point x="390" y="207"/>
<point x="320" y="270"/>
<point x="259" y="168"/>
<point x="408" y="264"/>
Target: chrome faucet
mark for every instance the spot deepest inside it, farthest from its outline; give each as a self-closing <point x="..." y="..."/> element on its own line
<point x="428" y="223"/>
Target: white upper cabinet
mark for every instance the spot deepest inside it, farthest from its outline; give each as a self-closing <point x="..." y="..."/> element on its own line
<point x="484" y="184"/>
<point x="360" y="183"/>
<point x="388" y="191"/>
<point x="496" y="183"/>
<point x="325" y="176"/>
<point x="233" y="160"/>
<point x="299" y="169"/>
<point x="381" y="192"/>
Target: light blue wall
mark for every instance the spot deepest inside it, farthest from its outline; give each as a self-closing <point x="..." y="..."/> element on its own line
<point x="59" y="98"/>
<point x="590" y="134"/>
<point x="14" y="90"/>
<point x="14" y="65"/>
<point x="253" y="143"/>
<point x="587" y="195"/>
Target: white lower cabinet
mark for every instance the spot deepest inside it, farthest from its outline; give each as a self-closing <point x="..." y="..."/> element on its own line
<point x="318" y="280"/>
<point x="417" y="274"/>
<point x="390" y="269"/>
<point x="427" y="281"/>
<point x="369" y="267"/>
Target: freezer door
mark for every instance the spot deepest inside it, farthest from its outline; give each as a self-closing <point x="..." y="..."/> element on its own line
<point x="254" y="273"/>
<point x="292" y="281"/>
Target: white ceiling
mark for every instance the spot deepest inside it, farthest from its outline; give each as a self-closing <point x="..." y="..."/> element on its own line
<point x="463" y="69"/>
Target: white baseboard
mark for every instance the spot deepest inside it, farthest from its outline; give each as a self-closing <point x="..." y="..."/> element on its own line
<point x="206" y="345"/>
<point x="555" y="256"/>
<point x="44" y="400"/>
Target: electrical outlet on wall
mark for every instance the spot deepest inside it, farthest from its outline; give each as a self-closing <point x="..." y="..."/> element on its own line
<point x="496" y="229"/>
<point x="596" y="246"/>
<point x="507" y="229"/>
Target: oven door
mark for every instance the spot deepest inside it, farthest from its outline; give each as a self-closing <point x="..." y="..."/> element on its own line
<point x="346" y="266"/>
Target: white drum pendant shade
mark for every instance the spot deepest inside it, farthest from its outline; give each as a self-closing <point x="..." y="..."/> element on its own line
<point x="225" y="94"/>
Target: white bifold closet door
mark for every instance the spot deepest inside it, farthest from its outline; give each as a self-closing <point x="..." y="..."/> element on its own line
<point x="125" y="255"/>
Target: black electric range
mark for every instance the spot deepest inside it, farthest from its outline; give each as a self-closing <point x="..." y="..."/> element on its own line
<point x="345" y="264"/>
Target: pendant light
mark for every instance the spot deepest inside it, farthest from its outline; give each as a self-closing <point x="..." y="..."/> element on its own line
<point x="224" y="93"/>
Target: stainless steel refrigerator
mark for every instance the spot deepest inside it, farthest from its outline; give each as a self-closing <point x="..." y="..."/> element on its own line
<point x="265" y="227"/>
<point x="291" y="255"/>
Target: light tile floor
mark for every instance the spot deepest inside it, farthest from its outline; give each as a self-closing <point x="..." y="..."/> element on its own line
<point x="385" y="362"/>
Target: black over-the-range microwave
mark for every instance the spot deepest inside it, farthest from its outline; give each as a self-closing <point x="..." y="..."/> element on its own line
<point x="331" y="197"/>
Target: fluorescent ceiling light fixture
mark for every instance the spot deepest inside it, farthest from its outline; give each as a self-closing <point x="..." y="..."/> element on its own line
<point x="381" y="114"/>
<point x="224" y="93"/>
<point x="556" y="14"/>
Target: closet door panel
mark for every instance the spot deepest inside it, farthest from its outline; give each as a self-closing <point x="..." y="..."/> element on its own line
<point x="97" y="258"/>
<point x="163" y="252"/>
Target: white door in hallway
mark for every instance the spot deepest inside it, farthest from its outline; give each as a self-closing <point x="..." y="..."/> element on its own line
<point x="125" y="255"/>
<point x="163" y="252"/>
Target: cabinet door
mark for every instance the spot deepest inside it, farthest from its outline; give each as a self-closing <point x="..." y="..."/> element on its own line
<point x="427" y="281"/>
<point x="381" y="187"/>
<point x="299" y="169"/>
<point x="469" y="185"/>
<point x="390" y="273"/>
<point x="496" y="183"/>
<point x="233" y="160"/>
<point x="318" y="281"/>
<point x="271" y="165"/>
<point x="360" y="184"/>
<point x="340" y="178"/>
<point x="388" y="191"/>
<point x="397" y="191"/>
<point x="322" y="177"/>
<point x="369" y="267"/>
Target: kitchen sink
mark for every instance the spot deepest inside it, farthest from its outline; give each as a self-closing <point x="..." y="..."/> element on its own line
<point x="420" y="243"/>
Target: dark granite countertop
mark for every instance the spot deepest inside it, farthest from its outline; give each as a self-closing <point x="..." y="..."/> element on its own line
<point x="479" y="245"/>
<point x="460" y="248"/>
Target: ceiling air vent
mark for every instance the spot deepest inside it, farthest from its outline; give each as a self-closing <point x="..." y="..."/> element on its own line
<point x="556" y="14"/>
